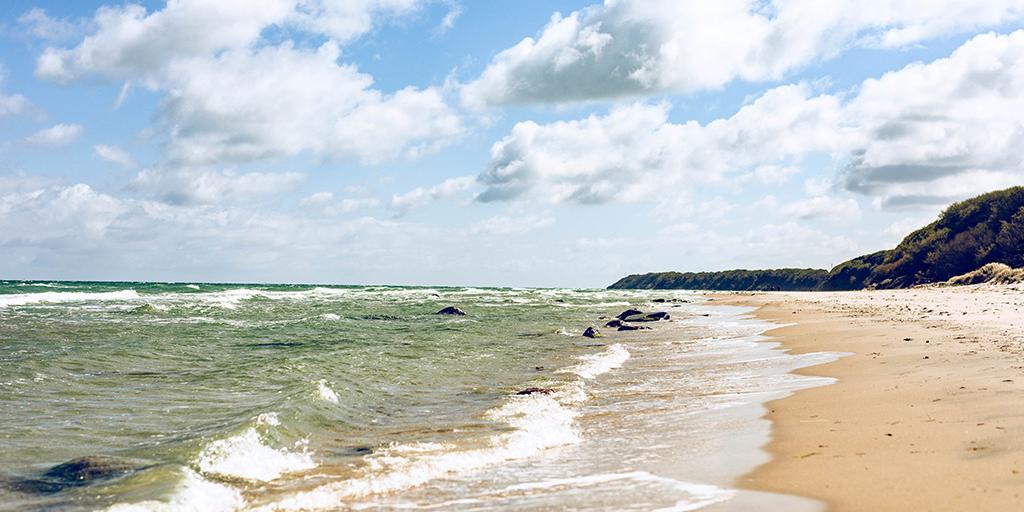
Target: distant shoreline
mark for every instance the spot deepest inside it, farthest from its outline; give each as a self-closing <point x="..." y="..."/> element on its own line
<point x="920" y="418"/>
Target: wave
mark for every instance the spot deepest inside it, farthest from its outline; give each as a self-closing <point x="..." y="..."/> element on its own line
<point x="21" y="299"/>
<point x="538" y="422"/>
<point x="245" y="456"/>
<point x="193" y="493"/>
<point x="325" y="392"/>
<point x="592" y="365"/>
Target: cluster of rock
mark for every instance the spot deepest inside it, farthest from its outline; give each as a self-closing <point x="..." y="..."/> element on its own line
<point x="623" y="322"/>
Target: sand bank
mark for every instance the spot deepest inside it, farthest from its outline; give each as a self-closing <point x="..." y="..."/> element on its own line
<point x="928" y="411"/>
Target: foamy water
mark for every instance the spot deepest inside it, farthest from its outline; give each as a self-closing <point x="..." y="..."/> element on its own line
<point x="322" y="398"/>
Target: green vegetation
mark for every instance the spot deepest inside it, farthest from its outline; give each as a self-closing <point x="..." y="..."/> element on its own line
<point x="788" y="279"/>
<point x="967" y="236"/>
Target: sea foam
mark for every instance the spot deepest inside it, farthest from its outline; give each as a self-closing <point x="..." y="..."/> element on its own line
<point x="538" y="422"/>
<point x="592" y="365"/>
<point x="245" y="456"/>
<point x="20" y="299"/>
<point x="193" y="494"/>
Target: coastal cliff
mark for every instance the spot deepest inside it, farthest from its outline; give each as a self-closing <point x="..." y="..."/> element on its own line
<point x="968" y="235"/>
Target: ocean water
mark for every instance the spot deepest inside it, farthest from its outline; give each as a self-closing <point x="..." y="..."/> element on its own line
<point x="230" y="397"/>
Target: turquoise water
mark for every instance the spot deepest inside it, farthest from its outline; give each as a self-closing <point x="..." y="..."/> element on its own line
<point x="226" y="397"/>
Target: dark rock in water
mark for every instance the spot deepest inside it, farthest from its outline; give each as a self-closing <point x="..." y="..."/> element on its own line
<point x="613" y="323"/>
<point x="559" y="300"/>
<point x="533" y="391"/>
<point x="627" y="327"/>
<point x="76" y="473"/>
<point x="591" y="333"/>
<point x="628" y="313"/>
<point x="89" y="468"/>
<point x="451" y="310"/>
<point x="660" y="300"/>
<point x="650" y="317"/>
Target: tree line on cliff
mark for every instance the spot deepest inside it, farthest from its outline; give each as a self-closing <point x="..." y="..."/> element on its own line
<point x="968" y="235"/>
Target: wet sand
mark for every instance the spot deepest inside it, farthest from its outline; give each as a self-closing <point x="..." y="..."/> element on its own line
<point x="928" y="410"/>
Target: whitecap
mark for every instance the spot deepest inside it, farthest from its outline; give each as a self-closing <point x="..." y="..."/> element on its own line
<point x="592" y="365"/>
<point x="539" y="422"/>
<point x="245" y="456"/>
<point x="330" y="317"/>
<point x="193" y="494"/>
<point x="20" y="299"/>
<point x="326" y="392"/>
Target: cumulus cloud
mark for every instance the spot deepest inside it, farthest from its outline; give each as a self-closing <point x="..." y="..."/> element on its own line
<point x="115" y="155"/>
<point x="402" y="203"/>
<point x="204" y="186"/>
<point x="634" y="150"/>
<point x="924" y="134"/>
<point x="234" y="97"/>
<point x="642" y="47"/>
<point x="947" y="129"/>
<point x="56" y="135"/>
<point x="56" y="214"/>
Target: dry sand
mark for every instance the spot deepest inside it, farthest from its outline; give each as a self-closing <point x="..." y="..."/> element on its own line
<point x="928" y="410"/>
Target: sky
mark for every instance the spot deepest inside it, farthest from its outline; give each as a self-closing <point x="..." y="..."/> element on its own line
<point x="492" y="143"/>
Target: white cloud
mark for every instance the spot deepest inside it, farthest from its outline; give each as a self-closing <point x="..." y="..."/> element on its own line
<point x="317" y="199"/>
<point x="115" y="155"/>
<point x="771" y="174"/>
<point x="204" y="186"/>
<point x="641" y="47"/>
<point x="823" y="207"/>
<point x="43" y="26"/>
<point x="328" y="206"/>
<point x="921" y="135"/>
<point x="74" y="214"/>
<point x="943" y="130"/>
<point x="234" y="97"/>
<point x="56" y="135"/>
<point x="402" y="203"/>
<point x="454" y="11"/>
<point x="131" y="44"/>
<point x="634" y="151"/>
<point x="504" y="225"/>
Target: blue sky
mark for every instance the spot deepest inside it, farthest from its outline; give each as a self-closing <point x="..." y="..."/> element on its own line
<point x="521" y="143"/>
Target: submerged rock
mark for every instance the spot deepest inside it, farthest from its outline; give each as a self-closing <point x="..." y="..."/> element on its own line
<point x="89" y="468"/>
<point x="535" y="391"/>
<point x="451" y="310"/>
<point x="627" y="327"/>
<point x="591" y="333"/>
<point x="628" y="313"/>
<point x="76" y="473"/>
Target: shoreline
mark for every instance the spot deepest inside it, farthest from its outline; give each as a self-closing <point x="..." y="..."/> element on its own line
<point x="928" y="408"/>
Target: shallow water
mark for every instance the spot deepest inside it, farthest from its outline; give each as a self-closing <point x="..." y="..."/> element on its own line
<point x="228" y="397"/>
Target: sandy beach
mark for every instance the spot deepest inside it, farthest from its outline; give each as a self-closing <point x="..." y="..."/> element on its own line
<point x="928" y="410"/>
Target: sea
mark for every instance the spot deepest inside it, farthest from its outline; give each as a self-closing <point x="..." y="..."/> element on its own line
<point x="216" y="397"/>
